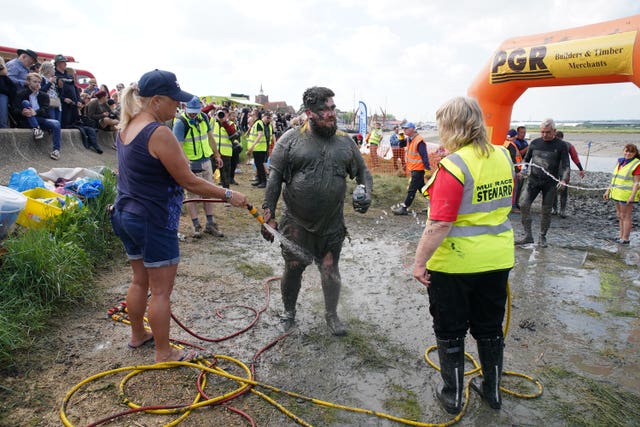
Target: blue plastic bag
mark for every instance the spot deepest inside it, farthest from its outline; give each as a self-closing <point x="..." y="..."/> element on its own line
<point x="86" y="187"/>
<point x="25" y="180"/>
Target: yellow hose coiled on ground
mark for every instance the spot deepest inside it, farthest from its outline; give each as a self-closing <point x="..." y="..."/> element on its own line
<point x="249" y="382"/>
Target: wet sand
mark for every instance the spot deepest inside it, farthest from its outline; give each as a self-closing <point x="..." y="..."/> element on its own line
<point x="599" y="157"/>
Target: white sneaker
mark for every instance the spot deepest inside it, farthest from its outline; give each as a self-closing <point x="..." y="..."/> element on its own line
<point x="55" y="154"/>
<point x="38" y="133"/>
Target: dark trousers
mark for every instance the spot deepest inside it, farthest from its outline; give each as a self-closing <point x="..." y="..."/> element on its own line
<point x="474" y="302"/>
<point x="416" y="184"/>
<point x="89" y="137"/>
<point x="518" y="183"/>
<point x="259" y="159"/>
<point x="563" y="195"/>
<point x="533" y="188"/>
<point x="235" y="159"/>
<point x="225" y="172"/>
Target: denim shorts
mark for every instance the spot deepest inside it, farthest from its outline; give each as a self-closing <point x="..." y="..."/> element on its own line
<point x="156" y="246"/>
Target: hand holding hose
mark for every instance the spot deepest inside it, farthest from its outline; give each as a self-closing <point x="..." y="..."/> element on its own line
<point x="236" y="199"/>
<point x="267" y="219"/>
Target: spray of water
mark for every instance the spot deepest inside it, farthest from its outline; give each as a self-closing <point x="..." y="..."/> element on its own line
<point x="292" y="247"/>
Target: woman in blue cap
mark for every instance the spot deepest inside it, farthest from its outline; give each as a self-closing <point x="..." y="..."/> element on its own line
<point x="152" y="172"/>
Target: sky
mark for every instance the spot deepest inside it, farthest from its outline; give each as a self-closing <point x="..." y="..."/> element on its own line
<point x="404" y="57"/>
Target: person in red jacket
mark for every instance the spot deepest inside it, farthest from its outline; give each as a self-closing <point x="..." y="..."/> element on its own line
<point x="564" y="191"/>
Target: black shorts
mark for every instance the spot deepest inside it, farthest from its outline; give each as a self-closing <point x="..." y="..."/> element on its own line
<point x="316" y="246"/>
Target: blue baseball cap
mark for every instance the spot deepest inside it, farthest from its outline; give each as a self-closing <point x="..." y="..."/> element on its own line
<point x="194" y="105"/>
<point x="408" y="125"/>
<point x="158" y="82"/>
<point x="512" y="133"/>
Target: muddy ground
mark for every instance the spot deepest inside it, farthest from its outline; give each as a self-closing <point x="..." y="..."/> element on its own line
<point x="574" y="326"/>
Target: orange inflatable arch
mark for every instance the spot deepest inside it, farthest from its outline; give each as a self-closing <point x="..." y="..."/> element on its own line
<point x="608" y="52"/>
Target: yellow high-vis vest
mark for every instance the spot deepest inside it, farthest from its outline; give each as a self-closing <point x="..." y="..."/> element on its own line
<point x="253" y="134"/>
<point x="225" y="147"/>
<point x="196" y="142"/>
<point x="622" y="182"/>
<point x="481" y="238"/>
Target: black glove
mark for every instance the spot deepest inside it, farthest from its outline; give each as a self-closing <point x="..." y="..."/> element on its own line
<point x="361" y="199"/>
<point x="363" y="205"/>
<point x="266" y="234"/>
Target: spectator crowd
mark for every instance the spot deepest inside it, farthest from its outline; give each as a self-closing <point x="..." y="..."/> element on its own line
<point x="47" y="97"/>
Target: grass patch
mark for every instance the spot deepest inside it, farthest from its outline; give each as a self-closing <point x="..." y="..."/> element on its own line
<point x="363" y="342"/>
<point x="46" y="271"/>
<point x="600" y="128"/>
<point x="590" y="312"/>
<point x="388" y="190"/>
<point x="404" y="403"/>
<point x="582" y="401"/>
<point x="622" y="313"/>
<point x="254" y="270"/>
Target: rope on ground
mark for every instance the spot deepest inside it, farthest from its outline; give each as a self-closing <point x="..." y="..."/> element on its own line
<point x="550" y="175"/>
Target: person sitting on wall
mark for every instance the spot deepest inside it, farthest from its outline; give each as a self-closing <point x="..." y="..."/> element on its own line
<point x="7" y="94"/>
<point x="99" y="110"/>
<point x="33" y="112"/>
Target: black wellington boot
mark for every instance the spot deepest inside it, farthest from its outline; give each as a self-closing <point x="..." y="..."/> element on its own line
<point x="491" y="352"/>
<point x="289" y="289"/>
<point x="451" y="354"/>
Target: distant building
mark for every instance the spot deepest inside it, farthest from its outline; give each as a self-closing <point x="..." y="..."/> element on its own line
<point x="276" y="106"/>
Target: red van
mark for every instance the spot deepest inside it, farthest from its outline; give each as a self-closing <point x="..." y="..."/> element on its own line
<point x="9" y="53"/>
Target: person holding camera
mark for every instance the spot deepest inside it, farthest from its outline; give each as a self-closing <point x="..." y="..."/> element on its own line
<point x="236" y="135"/>
<point x="193" y="131"/>
<point x="99" y="111"/>
<point x="226" y="138"/>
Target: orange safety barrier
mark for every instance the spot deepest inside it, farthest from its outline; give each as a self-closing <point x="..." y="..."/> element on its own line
<point x="607" y="52"/>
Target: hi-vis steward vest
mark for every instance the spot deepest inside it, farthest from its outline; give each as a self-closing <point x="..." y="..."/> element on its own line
<point x="376" y="137"/>
<point x="225" y="148"/>
<point x="196" y="143"/>
<point x="412" y="155"/>
<point x="518" y="154"/>
<point x="622" y="182"/>
<point x="481" y="238"/>
<point x="253" y="134"/>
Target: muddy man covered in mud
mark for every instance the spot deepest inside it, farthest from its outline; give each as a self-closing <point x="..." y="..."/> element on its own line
<point x="310" y="165"/>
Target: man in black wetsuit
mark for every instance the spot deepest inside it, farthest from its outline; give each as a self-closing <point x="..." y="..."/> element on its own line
<point x="549" y="156"/>
<point x="310" y="166"/>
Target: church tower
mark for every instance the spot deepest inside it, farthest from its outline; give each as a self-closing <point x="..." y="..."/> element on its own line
<point x="262" y="98"/>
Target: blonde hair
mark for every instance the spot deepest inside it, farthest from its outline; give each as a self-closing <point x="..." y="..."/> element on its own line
<point x="46" y="67"/>
<point x="130" y="105"/>
<point x="34" y="76"/>
<point x="460" y="123"/>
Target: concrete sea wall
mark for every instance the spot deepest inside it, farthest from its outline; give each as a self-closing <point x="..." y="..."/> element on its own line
<point x="18" y="151"/>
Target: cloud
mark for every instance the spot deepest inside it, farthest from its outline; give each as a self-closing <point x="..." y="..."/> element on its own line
<point x="405" y="57"/>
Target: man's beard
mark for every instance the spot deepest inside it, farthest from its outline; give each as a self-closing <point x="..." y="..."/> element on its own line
<point x="322" y="130"/>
